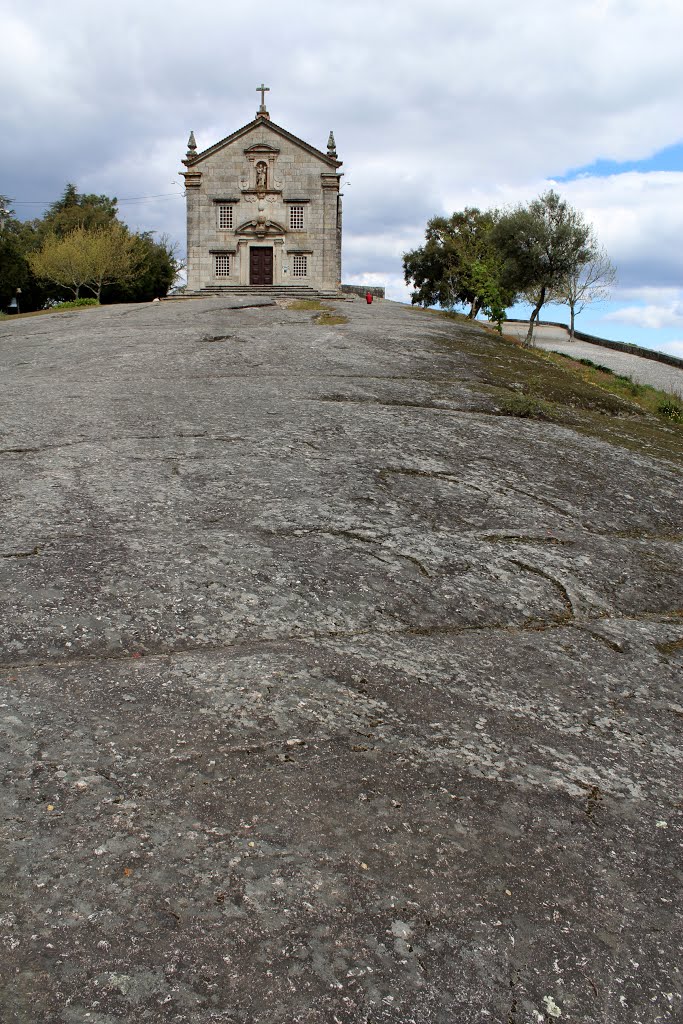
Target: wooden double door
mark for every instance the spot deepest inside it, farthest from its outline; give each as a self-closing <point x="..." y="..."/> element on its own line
<point x="261" y="265"/>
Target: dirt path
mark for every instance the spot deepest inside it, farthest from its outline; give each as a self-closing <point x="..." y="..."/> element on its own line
<point x="642" y="371"/>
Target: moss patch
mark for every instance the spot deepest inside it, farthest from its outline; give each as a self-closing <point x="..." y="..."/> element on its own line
<point x="306" y="304"/>
<point x="534" y="384"/>
<point x="526" y="408"/>
<point x="329" y="317"/>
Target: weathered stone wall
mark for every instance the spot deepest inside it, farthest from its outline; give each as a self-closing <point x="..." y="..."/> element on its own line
<point x="360" y="289"/>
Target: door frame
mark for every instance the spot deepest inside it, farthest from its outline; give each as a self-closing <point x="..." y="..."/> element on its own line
<point x="262" y="248"/>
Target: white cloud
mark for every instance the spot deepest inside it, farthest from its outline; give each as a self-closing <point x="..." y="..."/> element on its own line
<point x="651" y="316"/>
<point x="434" y="107"/>
<point x="673" y="348"/>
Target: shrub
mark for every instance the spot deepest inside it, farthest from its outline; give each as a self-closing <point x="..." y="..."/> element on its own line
<point x="671" y="410"/>
<point x="526" y="408"/>
<point x="75" y="304"/>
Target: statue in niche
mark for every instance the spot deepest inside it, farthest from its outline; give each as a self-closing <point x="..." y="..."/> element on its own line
<point x="261" y="175"/>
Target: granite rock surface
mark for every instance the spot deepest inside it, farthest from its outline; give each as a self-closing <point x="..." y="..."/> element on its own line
<point x="328" y="695"/>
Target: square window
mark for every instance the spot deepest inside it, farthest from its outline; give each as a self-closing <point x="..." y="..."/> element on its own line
<point x="299" y="266"/>
<point x="296" y="218"/>
<point x="224" y="217"/>
<point x="222" y="265"/>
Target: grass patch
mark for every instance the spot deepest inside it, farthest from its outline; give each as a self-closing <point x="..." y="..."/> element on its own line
<point x="526" y="408"/>
<point x="532" y="384"/>
<point x="328" y="318"/>
<point x="671" y="410"/>
<point x="306" y="304"/>
<point x="461" y="318"/>
<point x="589" y="362"/>
<point x="643" y="396"/>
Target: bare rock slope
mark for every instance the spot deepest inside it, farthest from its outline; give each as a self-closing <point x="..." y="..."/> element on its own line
<point x="328" y="693"/>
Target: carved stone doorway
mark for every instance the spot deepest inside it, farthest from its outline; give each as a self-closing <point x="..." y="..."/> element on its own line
<point x="260" y="265"/>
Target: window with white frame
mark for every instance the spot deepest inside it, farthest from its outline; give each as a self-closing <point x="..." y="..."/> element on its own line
<point x="224" y="216"/>
<point x="299" y="266"/>
<point x="222" y="264"/>
<point x="296" y="218"/>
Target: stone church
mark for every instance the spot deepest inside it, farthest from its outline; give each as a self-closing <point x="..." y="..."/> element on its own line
<point x="263" y="209"/>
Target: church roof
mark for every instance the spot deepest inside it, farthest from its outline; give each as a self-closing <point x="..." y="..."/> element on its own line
<point x="196" y="158"/>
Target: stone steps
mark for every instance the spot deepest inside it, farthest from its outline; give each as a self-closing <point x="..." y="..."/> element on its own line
<point x="268" y="291"/>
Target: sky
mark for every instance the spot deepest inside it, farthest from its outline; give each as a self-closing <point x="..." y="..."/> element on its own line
<point x="435" y="106"/>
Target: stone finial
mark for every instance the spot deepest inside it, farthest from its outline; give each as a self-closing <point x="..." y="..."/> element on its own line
<point x="191" y="146"/>
<point x="332" y="147"/>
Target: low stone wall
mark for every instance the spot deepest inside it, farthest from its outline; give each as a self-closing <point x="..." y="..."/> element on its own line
<point x="618" y="346"/>
<point x="362" y="290"/>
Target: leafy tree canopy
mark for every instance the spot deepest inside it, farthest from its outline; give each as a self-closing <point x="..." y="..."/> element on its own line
<point x="543" y="251"/>
<point x="157" y="267"/>
<point x="73" y="210"/>
<point x="85" y="219"/>
<point x="458" y="263"/>
<point x="541" y="245"/>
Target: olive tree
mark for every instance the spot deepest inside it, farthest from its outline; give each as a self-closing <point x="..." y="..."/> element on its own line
<point x="542" y="245"/>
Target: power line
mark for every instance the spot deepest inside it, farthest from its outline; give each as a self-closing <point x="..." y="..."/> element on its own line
<point x="131" y="199"/>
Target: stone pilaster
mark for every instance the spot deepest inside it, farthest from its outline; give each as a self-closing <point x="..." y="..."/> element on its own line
<point x="193" y="181"/>
<point x="331" y="255"/>
<point x="278" y="256"/>
<point x="243" y="256"/>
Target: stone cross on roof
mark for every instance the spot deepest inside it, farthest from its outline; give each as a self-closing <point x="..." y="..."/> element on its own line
<point x="263" y="89"/>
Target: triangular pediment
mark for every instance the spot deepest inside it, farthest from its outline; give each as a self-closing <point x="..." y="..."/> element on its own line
<point x="271" y="127"/>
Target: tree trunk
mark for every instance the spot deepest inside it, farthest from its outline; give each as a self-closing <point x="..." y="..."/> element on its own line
<point x="474" y="309"/>
<point x="537" y="309"/>
<point x="571" y="321"/>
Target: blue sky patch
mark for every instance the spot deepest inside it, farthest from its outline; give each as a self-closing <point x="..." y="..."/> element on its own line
<point x="668" y="159"/>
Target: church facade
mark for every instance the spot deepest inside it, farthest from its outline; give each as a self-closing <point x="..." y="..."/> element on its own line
<point x="263" y="209"/>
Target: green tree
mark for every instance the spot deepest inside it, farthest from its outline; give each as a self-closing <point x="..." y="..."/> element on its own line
<point x="63" y="261"/>
<point x="492" y="295"/>
<point x="74" y="210"/>
<point x="541" y="246"/>
<point x="156" y="269"/>
<point x="113" y="256"/>
<point x="456" y="262"/>
<point x="12" y="264"/>
<point x="99" y="254"/>
<point x="86" y="258"/>
<point x="17" y="239"/>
